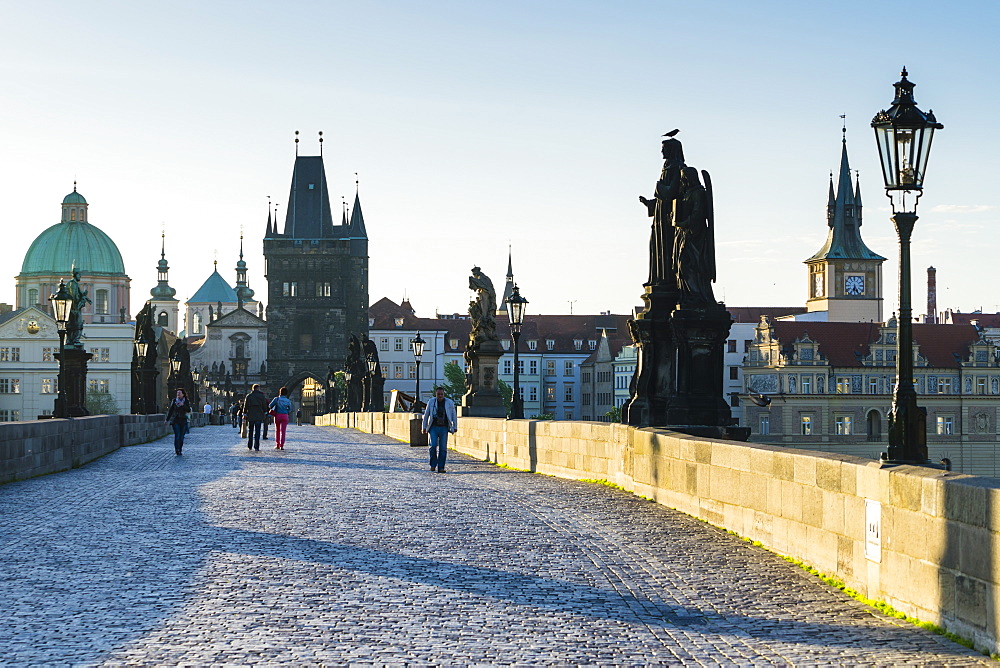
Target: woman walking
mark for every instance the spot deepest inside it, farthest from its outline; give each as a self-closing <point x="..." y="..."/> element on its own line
<point x="178" y="416"/>
<point x="281" y="407"/>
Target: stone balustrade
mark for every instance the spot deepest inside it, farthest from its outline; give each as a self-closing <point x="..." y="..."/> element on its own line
<point x="923" y="540"/>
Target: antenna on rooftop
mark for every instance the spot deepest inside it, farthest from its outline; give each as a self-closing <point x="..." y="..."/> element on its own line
<point x="296" y="143"/>
<point x="321" y="143"/>
<point x="843" y="129"/>
<point x="571" y="302"/>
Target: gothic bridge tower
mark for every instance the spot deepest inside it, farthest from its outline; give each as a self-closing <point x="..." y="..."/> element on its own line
<point x="317" y="285"/>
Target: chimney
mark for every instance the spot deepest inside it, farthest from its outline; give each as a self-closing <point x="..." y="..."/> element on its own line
<point x="931" y="295"/>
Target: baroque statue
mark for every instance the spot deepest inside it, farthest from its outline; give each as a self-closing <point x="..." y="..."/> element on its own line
<point x="74" y="327"/>
<point x="482" y="309"/>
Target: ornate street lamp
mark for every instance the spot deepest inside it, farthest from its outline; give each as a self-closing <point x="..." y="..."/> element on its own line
<point x="62" y="303"/>
<point x="417" y="346"/>
<point x="515" y="312"/>
<point x="140" y="351"/>
<point x="903" y="134"/>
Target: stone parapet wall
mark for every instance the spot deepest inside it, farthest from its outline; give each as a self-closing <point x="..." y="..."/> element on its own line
<point x="925" y="541"/>
<point x="38" y="447"/>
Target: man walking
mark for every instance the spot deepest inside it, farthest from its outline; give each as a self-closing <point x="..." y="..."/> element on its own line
<point x="254" y="413"/>
<point x="440" y="419"/>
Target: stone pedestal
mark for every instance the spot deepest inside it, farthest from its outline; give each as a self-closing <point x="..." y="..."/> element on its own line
<point x="377" y="403"/>
<point x="417" y="438"/>
<point x="653" y="382"/>
<point x="483" y="396"/>
<point x="74" y="379"/>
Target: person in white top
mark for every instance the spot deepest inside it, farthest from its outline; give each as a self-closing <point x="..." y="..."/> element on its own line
<point x="208" y="408"/>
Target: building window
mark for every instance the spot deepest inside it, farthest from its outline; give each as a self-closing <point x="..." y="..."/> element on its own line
<point x="322" y="288"/>
<point x="873" y="386"/>
<point x="731" y="346"/>
<point x="10" y="385"/>
<point x="398" y="371"/>
<point x="592" y="344"/>
<point x="805" y="384"/>
<point x="453" y="343"/>
<point x="383" y="343"/>
<point x="746" y="345"/>
<point x="385" y="370"/>
<point x="533" y="367"/>
<point x="765" y="425"/>
<point x="578" y="344"/>
<point x="734" y="399"/>
<point x="532" y="344"/>
<point x="398" y="346"/>
<point x="567" y="393"/>
<point x="98" y="385"/>
<point x="10" y="354"/>
<point x="520" y="367"/>
<point x="874" y="426"/>
<point x="843" y="425"/>
<point x="550" y="393"/>
<point x="586" y="377"/>
<point x="980" y="386"/>
<point x="399" y="322"/>
<point x="550" y="344"/>
<point x="843" y="385"/>
<point x="10" y="415"/>
<point x="411" y="371"/>
<point x="734" y="373"/>
<point x="289" y="289"/>
<point x="944" y="386"/>
<point x="586" y="398"/>
<point x="101" y="302"/>
<point x="568" y="368"/>
<point x="49" y="385"/>
<point x="196" y="323"/>
<point x="532" y="393"/>
<point x="505" y="343"/>
<point x="945" y="425"/>
<point x="32" y="297"/>
<point x="807" y="425"/>
<point x="507" y="366"/>
<point x="550" y="367"/>
<point x="47" y="354"/>
<point x="568" y="414"/>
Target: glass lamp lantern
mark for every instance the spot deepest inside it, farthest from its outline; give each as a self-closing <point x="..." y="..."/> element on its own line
<point x="62" y="303"/>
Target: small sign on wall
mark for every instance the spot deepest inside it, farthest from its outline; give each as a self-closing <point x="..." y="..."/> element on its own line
<point x="873" y="531"/>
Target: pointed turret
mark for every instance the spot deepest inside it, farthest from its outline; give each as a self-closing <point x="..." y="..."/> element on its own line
<point x="844" y="219"/>
<point x="243" y="292"/>
<point x="270" y="228"/>
<point x="163" y="291"/>
<point x="357" y="232"/>
<point x="508" y="287"/>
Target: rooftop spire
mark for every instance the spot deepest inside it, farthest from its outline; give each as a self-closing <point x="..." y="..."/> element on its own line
<point x="508" y="289"/>
<point x="163" y="291"/>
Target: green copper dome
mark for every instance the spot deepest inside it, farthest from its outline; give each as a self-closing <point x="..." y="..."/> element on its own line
<point x="74" y="198"/>
<point x="70" y="243"/>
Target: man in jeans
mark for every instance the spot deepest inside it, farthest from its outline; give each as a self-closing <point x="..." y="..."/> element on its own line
<point x="254" y="412"/>
<point x="440" y="419"/>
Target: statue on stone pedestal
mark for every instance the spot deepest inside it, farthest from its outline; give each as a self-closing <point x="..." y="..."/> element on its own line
<point x="356" y="367"/>
<point x="74" y="327"/>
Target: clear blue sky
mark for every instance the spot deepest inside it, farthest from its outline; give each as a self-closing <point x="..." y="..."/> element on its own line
<point x="473" y="125"/>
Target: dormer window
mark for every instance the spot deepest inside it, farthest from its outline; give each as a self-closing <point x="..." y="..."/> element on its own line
<point x="453" y="343"/>
<point x="578" y="344"/>
<point x="506" y="344"/>
<point x="371" y="322"/>
<point x="592" y="344"/>
<point x="532" y="344"/>
<point x="550" y="344"/>
<point x="399" y="322"/>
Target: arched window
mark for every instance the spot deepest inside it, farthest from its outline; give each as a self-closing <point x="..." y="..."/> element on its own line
<point x="101" y="302"/>
<point x="874" y="426"/>
<point x="72" y="214"/>
<point x="196" y="323"/>
<point x="162" y="319"/>
<point x="33" y="297"/>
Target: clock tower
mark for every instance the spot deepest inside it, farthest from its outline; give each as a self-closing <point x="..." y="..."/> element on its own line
<point x="845" y="276"/>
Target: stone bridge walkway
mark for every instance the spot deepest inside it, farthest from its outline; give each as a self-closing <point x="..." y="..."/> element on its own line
<point x="344" y="548"/>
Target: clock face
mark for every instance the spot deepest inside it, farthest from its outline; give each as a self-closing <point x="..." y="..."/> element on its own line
<point x="854" y="285"/>
<point x="33" y="327"/>
<point x="818" y="285"/>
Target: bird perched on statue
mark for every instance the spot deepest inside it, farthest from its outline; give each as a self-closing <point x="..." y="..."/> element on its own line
<point x="671" y="133"/>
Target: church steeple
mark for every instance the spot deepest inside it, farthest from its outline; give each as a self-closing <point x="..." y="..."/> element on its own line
<point x="163" y="291"/>
<point x="243" y="291"/>
<point x="508" y="287"/>
<point x="845" y="276"/>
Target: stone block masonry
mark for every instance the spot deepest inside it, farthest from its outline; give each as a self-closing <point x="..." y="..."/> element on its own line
<point x="925" y="541"/>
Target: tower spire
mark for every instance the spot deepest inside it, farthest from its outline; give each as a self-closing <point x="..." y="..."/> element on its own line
<point x="508" y="288"/>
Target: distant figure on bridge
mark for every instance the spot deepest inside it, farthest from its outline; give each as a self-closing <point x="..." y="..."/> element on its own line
<point x="177" y="415"/>
<point x="440" y="419"/>
<point x="281" y="408"/>
<point x="208" y="409"/>
<point x="254" y="413"/>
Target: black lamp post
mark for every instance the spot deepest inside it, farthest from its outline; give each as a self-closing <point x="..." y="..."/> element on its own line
<point x="903" y="134"/>
<point x="140" y="350"/>
<point x="417" y="346"/>
<point x="515" y="311"/>
<point x="175" y="373"/>
<point x="62" y="302"/>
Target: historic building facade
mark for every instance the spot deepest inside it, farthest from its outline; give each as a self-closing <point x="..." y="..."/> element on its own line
<point x="317" y="282"/>
<point x="829" y="387"/>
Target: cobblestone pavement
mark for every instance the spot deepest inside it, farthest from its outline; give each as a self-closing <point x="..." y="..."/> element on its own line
<point x="346" y="549"/>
